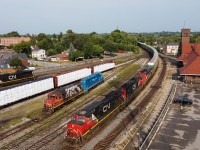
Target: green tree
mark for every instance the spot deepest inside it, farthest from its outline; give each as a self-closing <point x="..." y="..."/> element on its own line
<point x="45" y="43"/>
<point x="41" y="36"/>
<point x="98" y="50"/>
<point x="16" y="62"/>
<point x="12" y="34"/>
<point x="23" y="47"/>
<point x="75" y="55"/>
<point x="88" y="51"/>
<point x="69" y="31"/>
<point x="52" y="52"/>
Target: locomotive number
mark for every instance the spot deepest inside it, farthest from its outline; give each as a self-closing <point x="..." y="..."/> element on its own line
<point x="11" y="77"/>
<point x="106" y="107"/>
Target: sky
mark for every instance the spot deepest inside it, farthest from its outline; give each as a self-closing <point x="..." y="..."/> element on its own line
<point x="101" y="16"/>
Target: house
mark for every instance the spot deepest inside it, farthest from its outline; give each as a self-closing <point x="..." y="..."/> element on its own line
<point x="7" y="41"/>
<point x="171" y="49"/>
<point x="7" y="56"/>
<point x="60" y="57"/>
<point x="189" y="58"/>
<point x="39" y="54"/>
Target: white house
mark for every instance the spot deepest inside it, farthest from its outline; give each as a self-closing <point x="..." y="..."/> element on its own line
<point x="39" y="54"/>
<point x="171" y="49"/>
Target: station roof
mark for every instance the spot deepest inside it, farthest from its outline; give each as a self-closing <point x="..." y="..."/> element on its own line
<point x="191" y="59"/>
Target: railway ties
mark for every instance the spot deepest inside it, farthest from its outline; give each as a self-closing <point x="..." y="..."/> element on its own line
<point x="46" y="139"/>
<point x="16" y="143"/>
<point x="134" y="128"/>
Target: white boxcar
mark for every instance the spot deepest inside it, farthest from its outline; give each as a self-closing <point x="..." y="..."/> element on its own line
<point x="72" y="76"/>
<point x="17" y="93"/>
<point x="103" y="67"/>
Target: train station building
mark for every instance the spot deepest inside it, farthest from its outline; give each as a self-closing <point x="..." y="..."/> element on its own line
<point x="189" y="58"/>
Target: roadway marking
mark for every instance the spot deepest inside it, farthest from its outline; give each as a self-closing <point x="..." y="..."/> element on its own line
<point x="171" y="136"/>
<point x="171" y="145"/>
<point x="174" y="129"/>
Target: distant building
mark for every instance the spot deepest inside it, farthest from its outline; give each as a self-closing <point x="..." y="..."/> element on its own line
<point x="171" y="49"/>
<point x="7" y="56"/>
<point x="39" y="54"/>
<point x="60" y="57"/>
<point x="189" y="59"/>
<point x="7" y="41"/>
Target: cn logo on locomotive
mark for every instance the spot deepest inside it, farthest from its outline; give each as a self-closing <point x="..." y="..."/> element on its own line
<point x="11" y="77"/>
<point x="106" y="107"/>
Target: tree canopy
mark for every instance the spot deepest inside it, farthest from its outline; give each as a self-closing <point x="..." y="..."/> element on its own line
<point x="16" y="62"/>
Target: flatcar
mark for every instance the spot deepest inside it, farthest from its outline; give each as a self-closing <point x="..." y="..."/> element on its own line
<point x="16" y="77"/>
<point x="60" y="96"/>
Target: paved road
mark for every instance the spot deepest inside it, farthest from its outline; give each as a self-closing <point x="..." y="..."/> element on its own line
<point x="180" y="129"/>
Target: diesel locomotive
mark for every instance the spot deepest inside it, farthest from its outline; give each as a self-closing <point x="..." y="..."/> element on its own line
<point x="91" y="116"/>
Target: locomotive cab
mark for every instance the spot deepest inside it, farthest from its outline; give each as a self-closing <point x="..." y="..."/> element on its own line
<point x="78" y="127"/>
<point x="142" y="78"/>
<point x="53" y="100"/>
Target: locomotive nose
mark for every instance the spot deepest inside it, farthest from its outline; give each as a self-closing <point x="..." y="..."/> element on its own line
<point x="49" y="102"/>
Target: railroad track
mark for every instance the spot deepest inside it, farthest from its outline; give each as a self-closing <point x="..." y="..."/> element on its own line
<point x="54" y="70"/>
<point x="51" y="136"/>
<point x="103" y="144"/>
<point x="52" y="121"/>
<point x="21" y="127"/>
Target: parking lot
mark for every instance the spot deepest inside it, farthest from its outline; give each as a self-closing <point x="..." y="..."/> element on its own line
<point x="180" y="128"/>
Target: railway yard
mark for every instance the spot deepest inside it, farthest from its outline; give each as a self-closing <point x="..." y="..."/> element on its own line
<point x="150" y="120"/>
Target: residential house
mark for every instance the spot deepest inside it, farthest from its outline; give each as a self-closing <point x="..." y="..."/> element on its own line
<point x="39" y="54"/>
<point x="60" y="57"/>
<point x="171" y="49"/>
<point x="7" y="56"/>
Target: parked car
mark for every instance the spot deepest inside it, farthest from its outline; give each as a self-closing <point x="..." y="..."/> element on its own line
<point x="183" y="100"/>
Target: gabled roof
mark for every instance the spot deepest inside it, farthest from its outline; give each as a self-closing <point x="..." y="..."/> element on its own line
<point x="191" y="60"/>
<point x="59" y="56"/>
<point x="172" y="44"/>
<point x="187" y="49"/>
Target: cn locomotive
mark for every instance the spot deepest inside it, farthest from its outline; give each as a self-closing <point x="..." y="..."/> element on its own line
<point x="91" y="116"/>
<point x="16" y="77"/>
<point x="60" y="96"/>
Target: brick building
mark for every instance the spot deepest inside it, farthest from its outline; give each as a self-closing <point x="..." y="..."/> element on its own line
<point x="190" y="59"/>
<point x="7" y="41"/>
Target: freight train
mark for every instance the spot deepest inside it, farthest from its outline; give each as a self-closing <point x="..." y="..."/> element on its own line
<point x="25" y="90"/>
<point x="16" y="77"/>
<point x="91" y="116"/>
<point x="60" y="96"/>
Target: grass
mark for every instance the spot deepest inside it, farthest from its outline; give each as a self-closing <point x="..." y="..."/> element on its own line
<point x="26" y="111"/>
<point x="124" y="73"/>
<point x="33" y="109"/>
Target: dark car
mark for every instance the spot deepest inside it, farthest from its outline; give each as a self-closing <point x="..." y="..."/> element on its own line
<point x="183" y="100"/>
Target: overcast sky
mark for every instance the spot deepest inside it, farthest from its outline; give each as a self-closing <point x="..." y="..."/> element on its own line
<point x="101" y="16"/>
